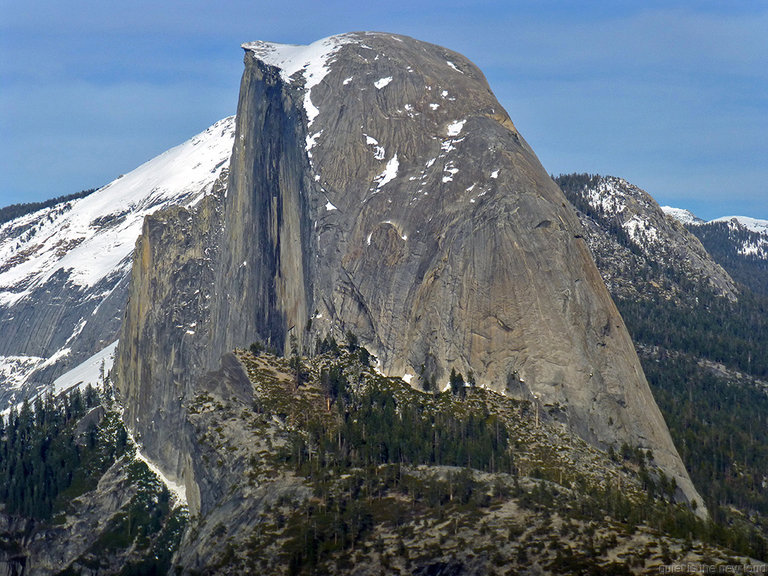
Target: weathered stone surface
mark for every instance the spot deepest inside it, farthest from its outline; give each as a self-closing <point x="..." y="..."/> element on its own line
<point x="163" y="344"/>
<point x="262" y="278"/>
<point x="42" y="548"/>
<point x="408" y="210"/>
<point x="64" y="269"/>
<point x="59" y="316"/>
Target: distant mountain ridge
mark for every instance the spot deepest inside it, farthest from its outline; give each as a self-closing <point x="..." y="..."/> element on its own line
<point x="641" y="253"/>
<point x="14" y="211"/>
<point x="64" y="268"/>
<point x="702" y="349"/>
<point x="738" y="243"/>
<point x="682" y="215"/>
<point x="748" y="235"/>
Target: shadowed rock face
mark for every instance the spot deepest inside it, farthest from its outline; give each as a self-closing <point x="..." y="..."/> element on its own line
<point x="382" y="189"/>
<point x="262" y="277"/>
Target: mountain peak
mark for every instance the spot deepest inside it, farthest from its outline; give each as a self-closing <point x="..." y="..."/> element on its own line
<point x="64" y="269"/>
<point x="682" y="215"/>
<point x="630" y="235"/>
<point x="404" y="208"/>
<point x="291" y="58"/>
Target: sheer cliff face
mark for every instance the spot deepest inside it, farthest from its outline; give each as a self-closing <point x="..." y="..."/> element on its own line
<point x="65" y="269"/>
<point x="377" y="186"/>
<point x="262" y="278"/>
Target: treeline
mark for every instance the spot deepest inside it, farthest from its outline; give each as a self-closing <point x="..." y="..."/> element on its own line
<point x="372" y="451"/>
<point x="360" y="442"/>
<point x="13" y="211"/>
<point x="718" y="423"/>
<point x="41" y="457"/>
<point x="720" y="428"/>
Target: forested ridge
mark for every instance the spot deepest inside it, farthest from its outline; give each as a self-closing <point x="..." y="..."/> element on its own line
<point x="720" y="427"/>
<point x="53" y="453"/>
<point x="705" y="357"/>
<point x="41" y="456"/>
<point x="724" y="242"/>
<point x="13" y="211"/>
<point x="731" y="333"/>
<point x="402" y="470"/>
<point x="707" y="366"/>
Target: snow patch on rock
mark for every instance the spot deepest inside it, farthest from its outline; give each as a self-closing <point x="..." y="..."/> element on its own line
<point x="378" y="152"/>
<point x="178" y="490"/>
<point x="313" y="61"/>
<point x="389" y="174"/>
<point x="751" y="224"/>
<point x="455" y="128"/>
<point x="682" y="215"/>
<point x="92" y="371"/>
<point x="14" y="370"/>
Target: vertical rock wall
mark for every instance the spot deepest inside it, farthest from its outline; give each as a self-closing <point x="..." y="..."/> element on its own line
<point x="229" y="272"/>
<point x="262" y="278"/>
<point x="163" y="341"/>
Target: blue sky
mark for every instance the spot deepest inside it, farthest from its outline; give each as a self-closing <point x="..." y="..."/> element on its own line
<point x="672" y="96"/>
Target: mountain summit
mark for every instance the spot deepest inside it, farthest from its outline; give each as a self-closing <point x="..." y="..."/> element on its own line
<point x="378" y="188"/>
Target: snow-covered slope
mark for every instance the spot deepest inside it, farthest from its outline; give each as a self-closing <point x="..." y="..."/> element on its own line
<point x="750" y="234"/>
<point x="92" y="237"/>
<point x="751" y="224"/>
<point x="747" y="236"/>
<point x="682" y="215"/>
<point x="59" y="265"/>
<point x="92" y="371"/>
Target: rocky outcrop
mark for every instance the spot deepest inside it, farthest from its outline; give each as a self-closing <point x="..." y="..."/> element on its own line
<point x="265" y="512"/>
<point x="87" y="538"/>
<point x="377" y="186"/>
<point x="262" y="274"/>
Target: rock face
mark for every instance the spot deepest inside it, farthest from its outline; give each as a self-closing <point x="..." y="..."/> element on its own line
<point x="377" y="186"/>
<point x="169" y="298"/>
<point x="263" y="273"/>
